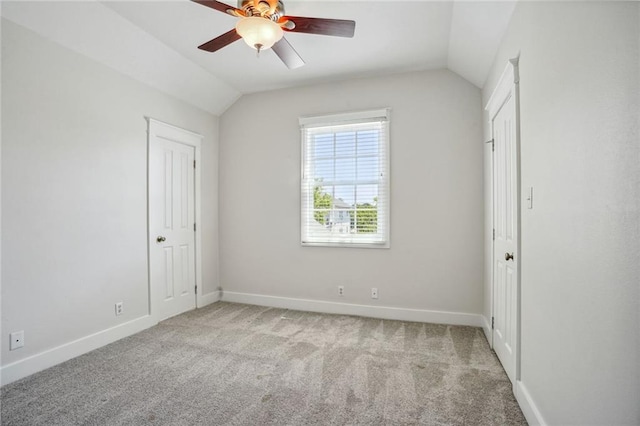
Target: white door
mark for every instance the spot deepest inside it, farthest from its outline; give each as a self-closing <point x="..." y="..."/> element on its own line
<point x="172" y="262"/>
<point x="505" y="247"/>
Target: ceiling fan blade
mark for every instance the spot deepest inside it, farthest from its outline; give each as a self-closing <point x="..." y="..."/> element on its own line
<point x="220" y="41"/>
<point x="225" y="8"/>
<point x="287" y="54"/>
<point x="331" y="27"/>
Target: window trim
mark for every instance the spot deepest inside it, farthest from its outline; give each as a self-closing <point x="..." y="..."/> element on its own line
<point x="353" y="117"/>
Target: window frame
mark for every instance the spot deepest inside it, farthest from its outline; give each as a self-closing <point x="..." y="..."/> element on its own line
<point x="384" y="182"/>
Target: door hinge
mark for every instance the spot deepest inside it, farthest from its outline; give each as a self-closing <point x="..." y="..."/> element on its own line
<point x="493" y="147"/>
<point x="494" y="234"/>
<point x="194" y="227"/>
<point x="492" y="322"/>
<point x="194" y="164"/>
<point x="196" y="289"/>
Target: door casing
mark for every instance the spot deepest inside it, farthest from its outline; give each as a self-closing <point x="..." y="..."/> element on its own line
<point x="156" y="128"/>
<point x="508" y="85"/>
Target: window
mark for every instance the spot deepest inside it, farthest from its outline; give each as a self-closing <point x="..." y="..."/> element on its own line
<point x="345" y="179"/>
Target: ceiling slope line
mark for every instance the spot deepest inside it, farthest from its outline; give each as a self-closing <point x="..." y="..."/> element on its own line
<point x="90" y="28"/>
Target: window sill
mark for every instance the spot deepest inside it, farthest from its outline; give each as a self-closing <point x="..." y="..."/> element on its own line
<point x="385" y="245"/>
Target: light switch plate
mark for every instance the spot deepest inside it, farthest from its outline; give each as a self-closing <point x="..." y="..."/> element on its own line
<point x="530" y="198"/>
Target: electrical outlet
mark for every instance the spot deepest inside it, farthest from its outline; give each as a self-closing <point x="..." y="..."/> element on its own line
<point x="119" y="308"/>
<point x="374" y="293"/>
<point x="17" y="340"/>
<point x="340" y="290"/>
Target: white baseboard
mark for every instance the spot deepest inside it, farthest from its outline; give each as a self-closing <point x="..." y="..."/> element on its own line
<point x="401" y="314"/>
<point x="486" y="327"/>
<point x="209" y="298"/>
<point x="528" y="407"/>
<point x="27" y="366"/>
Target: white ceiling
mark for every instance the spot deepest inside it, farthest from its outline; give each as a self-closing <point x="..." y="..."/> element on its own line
<point x="156" y="42"/>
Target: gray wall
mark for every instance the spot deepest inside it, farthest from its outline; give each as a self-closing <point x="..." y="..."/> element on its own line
<point x="579" y="82"/>
<point x="74" y="209"/>
<point x="435" y="259"/>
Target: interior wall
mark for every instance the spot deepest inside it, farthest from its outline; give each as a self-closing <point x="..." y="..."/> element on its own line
<point x="435" y="259"/>
<point x="579" y="86"/>
<point x="74" y="192"/>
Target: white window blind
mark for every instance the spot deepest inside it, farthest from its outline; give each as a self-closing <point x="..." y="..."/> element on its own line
<point x="345" y="179"/>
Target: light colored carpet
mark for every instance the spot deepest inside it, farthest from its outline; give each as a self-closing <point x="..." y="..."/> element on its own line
<point x="248" y="365"/>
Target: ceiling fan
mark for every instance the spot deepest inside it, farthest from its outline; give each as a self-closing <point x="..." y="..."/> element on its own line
<point x="262" y="25"/>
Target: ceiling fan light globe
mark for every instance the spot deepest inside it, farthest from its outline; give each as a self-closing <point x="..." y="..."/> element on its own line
<point x="259" y="31"/>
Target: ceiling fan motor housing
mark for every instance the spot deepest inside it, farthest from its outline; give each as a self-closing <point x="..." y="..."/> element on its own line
<point x="262" y="25"/>
<point x="270" y="9"/>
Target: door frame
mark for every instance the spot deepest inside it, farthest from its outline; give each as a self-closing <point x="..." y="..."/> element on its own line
<point x="160" y="129"/>
<point x="508" y="85"/>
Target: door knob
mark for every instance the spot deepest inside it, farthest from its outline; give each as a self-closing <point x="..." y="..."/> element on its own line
<point x="508" y="256"/>
<point x="161" y="239"/>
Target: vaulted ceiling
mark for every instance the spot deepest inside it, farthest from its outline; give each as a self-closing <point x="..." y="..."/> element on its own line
<point x="156" y="42"/>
